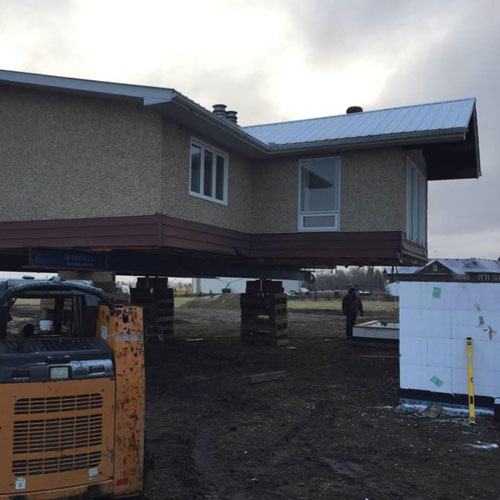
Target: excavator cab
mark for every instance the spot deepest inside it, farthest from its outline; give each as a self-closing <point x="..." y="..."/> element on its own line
<point x="72" y="394"/>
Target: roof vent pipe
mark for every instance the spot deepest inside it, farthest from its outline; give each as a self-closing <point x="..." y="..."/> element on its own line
<point x="232" y="116"/>
<point x="353" y="109"/>
<point x="219" y="110"/>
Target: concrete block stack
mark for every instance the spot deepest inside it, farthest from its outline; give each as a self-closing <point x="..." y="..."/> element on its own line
<point x="264" y="313"/>
<point x="157" y="302"/>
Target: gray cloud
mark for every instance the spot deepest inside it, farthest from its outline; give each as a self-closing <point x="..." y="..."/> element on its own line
<point x="39" y="33"/>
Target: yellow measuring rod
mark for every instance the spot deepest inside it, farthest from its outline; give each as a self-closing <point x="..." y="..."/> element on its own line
<point x="470" y="378"/>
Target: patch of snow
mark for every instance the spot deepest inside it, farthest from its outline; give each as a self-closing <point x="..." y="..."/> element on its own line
<point x="484" y="446"/>
<point x="447" y="410"/>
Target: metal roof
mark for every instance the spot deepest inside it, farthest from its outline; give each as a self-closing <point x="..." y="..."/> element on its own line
<point x="439" y="116"/>
<point x="472" y="265"/>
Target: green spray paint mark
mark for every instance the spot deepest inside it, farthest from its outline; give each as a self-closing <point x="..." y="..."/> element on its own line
<point x="437" y="381"/>
<point x="436" y="293"/>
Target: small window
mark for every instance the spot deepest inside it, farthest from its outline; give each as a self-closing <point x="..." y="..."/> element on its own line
<point x="434" y="268"/>
<point x="319" y="194"/>
<point x="208" y="173"/>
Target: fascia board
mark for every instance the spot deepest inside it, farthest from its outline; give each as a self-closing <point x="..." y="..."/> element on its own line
<point x="451" y="135"/>
<point x="476" y="142"/>
<point x="84" y="86"/>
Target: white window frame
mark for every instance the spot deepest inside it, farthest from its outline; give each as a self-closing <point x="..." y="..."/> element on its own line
<point x="416" y="204"/>
<point x="335" y="213"/>
<point x="215" y="151"/>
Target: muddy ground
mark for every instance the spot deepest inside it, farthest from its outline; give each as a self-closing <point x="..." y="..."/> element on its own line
<point x="329" y="430"/>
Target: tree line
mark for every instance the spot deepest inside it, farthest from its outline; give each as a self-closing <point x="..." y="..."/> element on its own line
<point x="365" y="278"/>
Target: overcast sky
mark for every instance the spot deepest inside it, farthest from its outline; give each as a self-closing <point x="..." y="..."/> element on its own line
<point x="291" y="59"/>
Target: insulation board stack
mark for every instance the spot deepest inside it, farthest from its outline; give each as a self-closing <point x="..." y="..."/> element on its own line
<point x="435" y="320"/>
<point x="264" y="314"/>
<point x="157" y="302"/>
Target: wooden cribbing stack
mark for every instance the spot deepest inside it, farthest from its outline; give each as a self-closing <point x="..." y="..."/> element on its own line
<point x="157" y="301"/>
<point x="264" y="314"/>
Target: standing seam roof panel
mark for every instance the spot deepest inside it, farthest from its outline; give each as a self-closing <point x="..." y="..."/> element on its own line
<point x="365" y="125"/>
<point x="464" y="113"/>
<point x="443" y="116"/>
<point x="407" y="124"/>
<point x="422" y="121"/>
<point x="396" y="119"/>
<point x="453" y="117"/>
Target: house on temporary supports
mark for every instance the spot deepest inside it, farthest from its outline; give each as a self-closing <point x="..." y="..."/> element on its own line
<point x="144" y="181"/>
<point x="441" y="305"/>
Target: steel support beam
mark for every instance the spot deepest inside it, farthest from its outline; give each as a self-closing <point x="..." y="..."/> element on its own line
<point x="48" y="259"/>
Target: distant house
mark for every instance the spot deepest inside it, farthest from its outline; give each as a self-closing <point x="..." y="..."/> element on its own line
<point x="472" y="269"/>
<point x="156" y="181"/>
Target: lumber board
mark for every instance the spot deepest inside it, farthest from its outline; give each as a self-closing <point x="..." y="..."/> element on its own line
<point x="258" y="378"/>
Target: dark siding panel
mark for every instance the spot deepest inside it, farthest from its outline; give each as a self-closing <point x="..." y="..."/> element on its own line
<point x="202" y="237"/>
<point x="323" y="249"/>
<point x="112" y="232"/>
<point x="334" y="246"/>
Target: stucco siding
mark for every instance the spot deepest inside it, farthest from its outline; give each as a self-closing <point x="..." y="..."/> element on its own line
<point x="67" y="156"/>
<point x="276" y="196"/>
<point x="176" y="200"/>
<point x="372" y="192"/>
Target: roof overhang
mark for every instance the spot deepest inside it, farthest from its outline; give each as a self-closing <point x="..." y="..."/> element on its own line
<point x="454" y="159"/>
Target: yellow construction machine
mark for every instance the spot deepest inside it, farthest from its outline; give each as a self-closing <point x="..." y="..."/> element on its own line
<point x="71" y="395"/>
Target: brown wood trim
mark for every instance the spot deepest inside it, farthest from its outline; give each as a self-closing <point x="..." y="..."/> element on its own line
<point x="301" y="249"/>
<point x="331" y="236"/>
<point x="137" y="231"/>
<point x="329" y="246"/>
<point x="203" y="237"/>
<point x="413" y="250"/>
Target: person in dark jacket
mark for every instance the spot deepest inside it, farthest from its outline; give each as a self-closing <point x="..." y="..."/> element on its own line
<point x="351" y="305"/>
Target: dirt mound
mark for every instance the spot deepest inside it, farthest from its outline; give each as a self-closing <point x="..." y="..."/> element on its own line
<point x="224" y="301"/>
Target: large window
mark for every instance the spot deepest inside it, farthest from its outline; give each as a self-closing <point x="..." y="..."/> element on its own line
<point x="208" y="173"/>
<point x="416" y="204"/>
<point x="319" y="195"/>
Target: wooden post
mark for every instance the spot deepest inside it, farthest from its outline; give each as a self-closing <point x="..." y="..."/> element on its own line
<point x="264" y="313"/>
<point x="157" y="302"/>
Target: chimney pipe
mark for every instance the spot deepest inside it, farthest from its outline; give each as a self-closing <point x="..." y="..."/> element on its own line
<point x="219" y="110"/>
<point x="353" y="109"/>
<point x="232" y="116"/>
